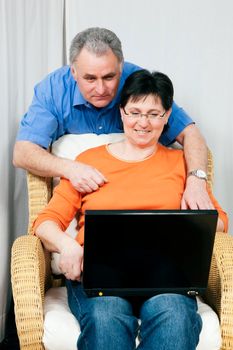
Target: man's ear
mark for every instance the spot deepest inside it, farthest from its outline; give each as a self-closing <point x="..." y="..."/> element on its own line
<point x="73" y="71"/>
<point x="121" y="66"/>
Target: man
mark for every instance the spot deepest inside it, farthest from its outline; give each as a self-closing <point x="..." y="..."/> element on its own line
<point x="83" y="98"/>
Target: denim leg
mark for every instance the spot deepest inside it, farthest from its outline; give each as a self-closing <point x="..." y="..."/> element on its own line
<point x="169" y="321"/>
<point x="105" y="322"/>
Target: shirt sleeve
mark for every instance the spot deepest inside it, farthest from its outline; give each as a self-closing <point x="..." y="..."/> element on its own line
<point x="39" y="125"/>
<point x="177" y="122"/>
<point x="222" y="214"/>
<point x="63" y="206"/>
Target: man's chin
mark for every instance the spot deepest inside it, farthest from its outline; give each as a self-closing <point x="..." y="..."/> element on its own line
<point x="100" y="103"/>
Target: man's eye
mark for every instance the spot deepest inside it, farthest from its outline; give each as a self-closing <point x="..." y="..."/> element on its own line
<point x="153" y="115"/>
<point x="90" y="80"/>
<point x="109" y="78"/>
<point x="135" y="113"/>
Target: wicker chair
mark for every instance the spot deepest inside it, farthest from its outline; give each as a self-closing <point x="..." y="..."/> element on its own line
<point x="31" y="274"/>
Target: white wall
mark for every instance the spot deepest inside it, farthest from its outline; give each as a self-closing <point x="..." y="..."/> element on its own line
<point x="192" y="42"/>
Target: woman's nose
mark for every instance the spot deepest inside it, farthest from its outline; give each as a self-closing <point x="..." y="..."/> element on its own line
<point x="143" y="120"/>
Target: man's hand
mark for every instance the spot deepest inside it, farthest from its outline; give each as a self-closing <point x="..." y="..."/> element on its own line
<point x="71" y="260"/>
<point x="195" y="195"/>
<point x="84" y="177"/>
<point x="40" y="162"/>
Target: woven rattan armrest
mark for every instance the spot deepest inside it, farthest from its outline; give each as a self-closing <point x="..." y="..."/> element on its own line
<point x="220" y="288"/>
<point x="30" y="276"/>
<point x="39" y="194"/>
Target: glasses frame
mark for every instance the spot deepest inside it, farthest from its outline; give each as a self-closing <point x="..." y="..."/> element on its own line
<point x="148" y="116"/>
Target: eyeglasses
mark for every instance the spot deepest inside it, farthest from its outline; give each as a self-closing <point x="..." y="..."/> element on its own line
<point x="149" y="116"/>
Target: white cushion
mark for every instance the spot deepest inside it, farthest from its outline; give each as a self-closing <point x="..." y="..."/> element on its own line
<point x="70" y="146"/>
<point x="210" y="337"/>
<point x="61" y="329"/>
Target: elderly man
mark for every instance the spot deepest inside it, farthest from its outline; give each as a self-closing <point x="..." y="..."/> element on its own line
<point x="83" y="98"/>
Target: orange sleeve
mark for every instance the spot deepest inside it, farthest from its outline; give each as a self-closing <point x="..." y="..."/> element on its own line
<point x="62" y="207"/>
<point x="222" y="214"/>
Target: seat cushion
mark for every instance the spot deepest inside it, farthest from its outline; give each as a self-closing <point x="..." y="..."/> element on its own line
<point x="61" y="329"/>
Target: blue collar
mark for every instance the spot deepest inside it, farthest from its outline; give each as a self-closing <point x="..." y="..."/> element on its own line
<point x="78" y="97"/>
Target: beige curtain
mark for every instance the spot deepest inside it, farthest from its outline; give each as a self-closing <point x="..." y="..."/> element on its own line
<point x="31" y="44"/>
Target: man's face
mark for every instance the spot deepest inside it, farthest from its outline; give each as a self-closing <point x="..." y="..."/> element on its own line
<point x="97" y="76"/>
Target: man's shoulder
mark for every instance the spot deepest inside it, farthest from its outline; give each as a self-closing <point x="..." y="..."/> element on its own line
<point x="130" y="68"/>
<point x="60" y="74"/>
<point x="59" y="80"/>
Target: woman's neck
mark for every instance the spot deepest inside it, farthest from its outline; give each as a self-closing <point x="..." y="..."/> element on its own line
<point x="131" y="152"/>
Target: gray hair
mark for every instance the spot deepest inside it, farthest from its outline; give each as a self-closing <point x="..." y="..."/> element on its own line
<point x="96" y="40"/>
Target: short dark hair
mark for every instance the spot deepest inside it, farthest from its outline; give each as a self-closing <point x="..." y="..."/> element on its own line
<point x="143" y="83"/>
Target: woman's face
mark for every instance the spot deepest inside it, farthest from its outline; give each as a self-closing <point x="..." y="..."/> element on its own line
<point x="144" y="120"/>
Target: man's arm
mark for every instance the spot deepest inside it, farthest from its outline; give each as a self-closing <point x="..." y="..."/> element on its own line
<point x="39" y="161"/>
<point x="195" y="150"/>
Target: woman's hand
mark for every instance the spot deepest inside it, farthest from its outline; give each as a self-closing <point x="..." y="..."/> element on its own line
<point x="71" y="252"/>
<point x="71" y="259"/>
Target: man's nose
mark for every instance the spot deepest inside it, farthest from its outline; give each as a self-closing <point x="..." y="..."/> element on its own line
<point x="100" y="87"/>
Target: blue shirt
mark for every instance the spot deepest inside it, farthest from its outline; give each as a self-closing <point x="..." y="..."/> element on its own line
<point x="59" y="108"/>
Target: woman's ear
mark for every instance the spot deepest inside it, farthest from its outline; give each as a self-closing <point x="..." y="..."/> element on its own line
<point x="168" y="113"/>
<point x="121" y="112"/>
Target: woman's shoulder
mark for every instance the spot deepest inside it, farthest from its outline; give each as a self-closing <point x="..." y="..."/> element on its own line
<point x="172" y="158"/>
<point x="172" y="152"/>
<point x="91" y="153"/>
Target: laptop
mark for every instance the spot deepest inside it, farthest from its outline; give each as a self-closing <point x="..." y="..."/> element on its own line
<point x="144" y="253"/>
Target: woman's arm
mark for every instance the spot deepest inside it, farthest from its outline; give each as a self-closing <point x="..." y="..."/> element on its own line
<point x="220" y="226"/>
<point x="71" y="253"/>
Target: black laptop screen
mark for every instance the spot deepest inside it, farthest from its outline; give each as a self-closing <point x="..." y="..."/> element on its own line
<point x="138" y="252"/>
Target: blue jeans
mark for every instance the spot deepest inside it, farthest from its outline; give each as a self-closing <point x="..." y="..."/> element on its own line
<point x="168" y="321"/>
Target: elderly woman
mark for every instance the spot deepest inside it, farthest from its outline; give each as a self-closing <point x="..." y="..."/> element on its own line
<point x="141" y="174"/>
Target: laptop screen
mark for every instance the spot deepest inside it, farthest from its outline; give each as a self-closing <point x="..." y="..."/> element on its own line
<point x="134" y="252"/>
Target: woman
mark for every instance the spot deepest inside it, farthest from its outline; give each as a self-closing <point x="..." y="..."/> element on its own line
<point x="141" y="174"/>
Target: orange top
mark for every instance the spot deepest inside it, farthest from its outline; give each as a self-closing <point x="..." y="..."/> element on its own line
<point x="156" y="182"/>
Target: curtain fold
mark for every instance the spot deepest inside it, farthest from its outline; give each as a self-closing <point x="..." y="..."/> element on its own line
<point x="31" y="41"/>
